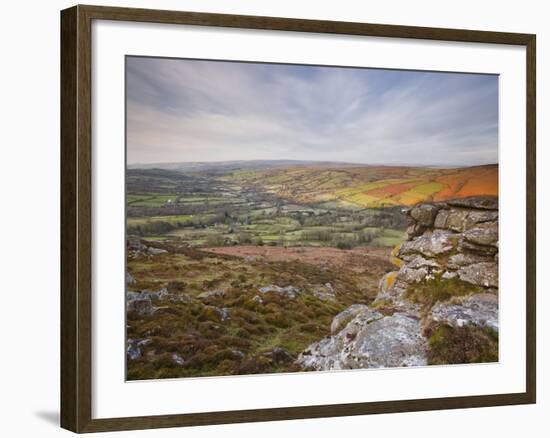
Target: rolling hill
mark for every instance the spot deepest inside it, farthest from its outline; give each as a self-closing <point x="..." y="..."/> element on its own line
<point x="370" y="186"/>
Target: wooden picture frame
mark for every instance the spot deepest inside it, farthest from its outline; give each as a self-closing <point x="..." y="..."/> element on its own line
<point x="76" y="217"/>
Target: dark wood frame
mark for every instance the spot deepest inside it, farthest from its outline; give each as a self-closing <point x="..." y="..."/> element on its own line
<point x="76" y="174"/>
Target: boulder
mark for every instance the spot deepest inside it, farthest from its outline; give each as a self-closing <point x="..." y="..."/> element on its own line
<point x="424" y="214"/>
<point x="179" y="298"/>
<point x="483" y="250"/>
<point x="212" y="294"/>
<point x="130" y="279"/>
<point x="479" y="202"/>
<point x="158" y="295"/>
<point x="133" y="351"/>
<point x="288" y="291"/>
<point x="387" y="286"/>
<point x="135" y="245"/>
<point x="420" y="262"/>
<point x="178" y="360"/>
<point x="463" y="259"/>
<point x="480" y="216"/>
<point x="139" y="303"/>
<point x="391" y="292"/>
<point x="417" y="269"/>
<point x="410" y="275"/>
<point x="156" y="251"/>
<point x="441" y="219"/>
<point x="449" y="275"/>
<point x="141" y="306"/>
<point x="415" y="230"/>
<point x="479" y="309"/>
<point x="258" y="299"/>
<point x="390" y="341"/>
<point x="430" y="244"/>
<point x="325" y="292"/>
<point x="457" y="220"/>
<point x="223" y="313"/>
<point x="480" y="274"/>
<point x="342" y="319"/>
<point x="161" y="294"/>
<point x="280" y="355"/>
<point x="237" y="354"/>
<point x="460" y="219"/>
<point x="483" y="234"/>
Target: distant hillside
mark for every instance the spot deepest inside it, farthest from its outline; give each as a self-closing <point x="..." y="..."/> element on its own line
<point x="199" y="166"/>
<point x="370" y="186"/>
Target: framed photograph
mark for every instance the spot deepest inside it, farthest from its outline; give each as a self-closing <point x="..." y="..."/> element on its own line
<point x="270" y="218"/>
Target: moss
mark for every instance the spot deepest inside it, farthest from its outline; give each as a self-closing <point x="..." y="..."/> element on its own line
<point x="437" y="289"/>
<point x="455" y="345"/>
<point x="385" y="307"/>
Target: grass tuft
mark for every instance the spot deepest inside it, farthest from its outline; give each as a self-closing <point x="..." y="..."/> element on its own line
<point x="468" y="344"/>
<point x="437" y="289"/>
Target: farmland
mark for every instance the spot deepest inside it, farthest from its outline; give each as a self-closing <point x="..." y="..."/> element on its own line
<point x="213" y="209"/>
<point x="371" y="186"/>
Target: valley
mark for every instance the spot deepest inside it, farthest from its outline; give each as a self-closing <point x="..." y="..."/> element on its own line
<point x="236" y="268"/>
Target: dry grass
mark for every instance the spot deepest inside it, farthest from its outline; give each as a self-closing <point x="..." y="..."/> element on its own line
<point x="468" y="344"/>
<point x="241" y="343"/>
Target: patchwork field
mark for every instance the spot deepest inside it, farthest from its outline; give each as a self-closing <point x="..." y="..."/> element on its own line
<point x="369" y="186"/>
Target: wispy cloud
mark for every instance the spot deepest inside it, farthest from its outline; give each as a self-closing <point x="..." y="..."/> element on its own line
<point x="186" y="110"/>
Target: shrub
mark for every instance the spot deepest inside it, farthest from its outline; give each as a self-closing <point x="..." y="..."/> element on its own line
<point x="278" y="319"/>
<point x="468" y="344"/>
<point x="344" y="245"/>
<point x="215" y="240"/>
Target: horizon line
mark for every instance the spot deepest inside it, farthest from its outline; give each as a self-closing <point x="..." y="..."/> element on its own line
<point x="310" y="161"/>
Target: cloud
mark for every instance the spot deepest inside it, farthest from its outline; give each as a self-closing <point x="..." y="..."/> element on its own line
<point x="188" y="110"/>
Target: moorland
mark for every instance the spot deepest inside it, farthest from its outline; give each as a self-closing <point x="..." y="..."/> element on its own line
<point x="236" y="267"/>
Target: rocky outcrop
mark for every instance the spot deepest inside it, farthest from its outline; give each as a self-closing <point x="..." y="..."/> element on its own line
<point x="448" y="275"/>
<point x="136" y="248"/>
<point x="325" y="292"/>
<point x="141" y="303"/>
<point x="459" y="238"/>
<point x="288" y="291"/>
<point x="479" y="309"/>
<point x="343" y="318"/>
<point x="130" y="279"/>
<point x="212" y="294"/>
<point x="280" y="355"/>
<point x="370" y="340"/>
<point x="133" y="349"/>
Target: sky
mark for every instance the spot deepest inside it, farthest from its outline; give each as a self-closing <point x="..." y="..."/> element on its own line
<point x="182" y="110"/>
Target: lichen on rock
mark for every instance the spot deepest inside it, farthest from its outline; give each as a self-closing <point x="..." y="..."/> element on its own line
<point x="479" y="309"/>
<point x="370" y="340"/>
<point x="344" y="317"/>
